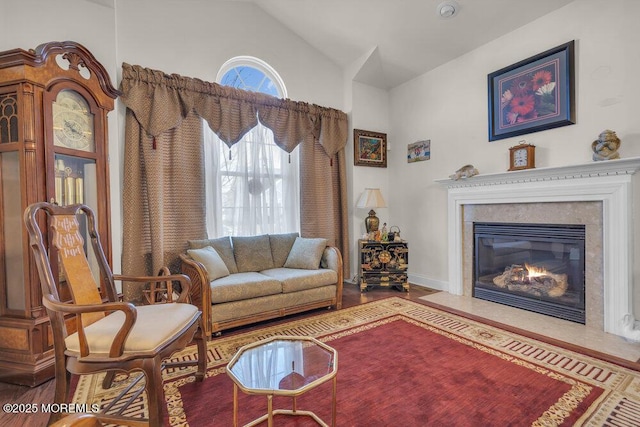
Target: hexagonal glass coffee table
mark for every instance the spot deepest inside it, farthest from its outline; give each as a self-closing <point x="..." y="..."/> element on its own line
<point x="283" y="366"/>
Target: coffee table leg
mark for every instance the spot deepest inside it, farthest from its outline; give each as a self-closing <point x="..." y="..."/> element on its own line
<point x="235" y="405"/>
<point x="334" y="404"/>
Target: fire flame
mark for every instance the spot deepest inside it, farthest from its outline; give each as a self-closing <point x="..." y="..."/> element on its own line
<point x="535" y="271"/>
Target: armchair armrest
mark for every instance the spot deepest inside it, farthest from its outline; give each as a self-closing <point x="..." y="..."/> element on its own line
<point x="117" y="347"/>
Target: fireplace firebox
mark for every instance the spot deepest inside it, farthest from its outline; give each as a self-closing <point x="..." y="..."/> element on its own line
<point x="535" y="267"/>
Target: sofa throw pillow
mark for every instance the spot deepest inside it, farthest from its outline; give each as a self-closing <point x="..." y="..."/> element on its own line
<point x="306" y="253"/>
<point x="222" y="245"/>
<point x="252" y="253"/>
<point x="281" y="246"/>
<point x="211" y="260"/>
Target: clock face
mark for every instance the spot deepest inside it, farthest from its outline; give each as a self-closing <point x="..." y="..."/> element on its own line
<point x="520" y="158"/>
<point x="72" y="122"/>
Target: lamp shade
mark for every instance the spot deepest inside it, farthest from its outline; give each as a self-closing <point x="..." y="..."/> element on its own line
<point x="371" y="198"/>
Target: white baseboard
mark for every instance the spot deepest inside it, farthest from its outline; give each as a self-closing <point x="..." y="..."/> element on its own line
<point x="419" y="280"/>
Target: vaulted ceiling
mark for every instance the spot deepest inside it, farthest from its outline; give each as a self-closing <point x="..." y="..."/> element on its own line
<point x="390" y="42"/>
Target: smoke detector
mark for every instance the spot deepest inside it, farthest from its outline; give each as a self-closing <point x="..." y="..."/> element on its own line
<point x="447" y="9"/>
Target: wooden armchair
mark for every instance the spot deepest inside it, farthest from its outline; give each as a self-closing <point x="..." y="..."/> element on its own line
<point x="107" y="336"/>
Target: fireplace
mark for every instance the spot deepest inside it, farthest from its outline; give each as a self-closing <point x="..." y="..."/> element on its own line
<point x="536" y="267"/>
<point x="597" y="194"/>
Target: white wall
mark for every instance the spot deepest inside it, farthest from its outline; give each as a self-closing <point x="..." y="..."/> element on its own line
<point x="370" y="111"/>
<point x="449" y="106"/>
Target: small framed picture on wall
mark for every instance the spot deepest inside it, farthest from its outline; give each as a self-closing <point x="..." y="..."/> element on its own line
<point x="369" y="148"/>
<point x="419" y="151"/>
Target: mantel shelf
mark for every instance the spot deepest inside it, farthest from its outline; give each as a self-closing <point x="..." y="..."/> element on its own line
<point x="628" y="166"/>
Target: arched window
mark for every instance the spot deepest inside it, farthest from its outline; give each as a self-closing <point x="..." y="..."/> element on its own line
<point x="253" y="187"/>
<point x="252" y="74"/>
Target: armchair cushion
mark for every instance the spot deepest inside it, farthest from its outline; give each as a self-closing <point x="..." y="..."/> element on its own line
<point x="306" y="253"/>
<point x="211" y="260"/>
<point x="252" y="253"/>
<point x="155" y="326"/>
<point x="222" y="245"/>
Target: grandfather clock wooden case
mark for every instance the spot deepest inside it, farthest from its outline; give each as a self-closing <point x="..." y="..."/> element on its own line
<point x="54" y="102"/>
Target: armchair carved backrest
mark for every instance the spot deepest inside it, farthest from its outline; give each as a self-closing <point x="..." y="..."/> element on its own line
<point x="107" y="336"/>
<point x="66" y="238"/>
<point x="73" y="266"/>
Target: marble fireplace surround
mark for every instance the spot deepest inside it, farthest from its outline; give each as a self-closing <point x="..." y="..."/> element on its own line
<point x="597" y="194"/>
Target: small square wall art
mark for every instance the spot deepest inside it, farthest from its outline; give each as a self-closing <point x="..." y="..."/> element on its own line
<point x="369" y="148"/>
<point x="419" y="151"/>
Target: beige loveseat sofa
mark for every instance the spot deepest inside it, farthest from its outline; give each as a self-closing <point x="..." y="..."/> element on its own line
<point x="240" y="280"/>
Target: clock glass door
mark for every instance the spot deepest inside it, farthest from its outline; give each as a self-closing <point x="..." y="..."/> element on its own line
<point x="12" y="275"/>
<point x="75" y="181"/>
<point x="76" y="177"/>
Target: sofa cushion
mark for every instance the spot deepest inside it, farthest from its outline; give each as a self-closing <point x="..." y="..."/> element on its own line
<point x="211" y="261"/>
<point x="306" y="253"/>
<point x="296" y="279"/>
<point x="281" y="246"/>
<point x="252" y="253"/>
<point x="222" y="245"/>
<point x="242" y="286"/>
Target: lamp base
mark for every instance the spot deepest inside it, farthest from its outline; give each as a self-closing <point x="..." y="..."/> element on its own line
<point x="372" y="222"/>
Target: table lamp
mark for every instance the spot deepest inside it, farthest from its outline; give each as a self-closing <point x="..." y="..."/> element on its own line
<point x="371" y="198"/>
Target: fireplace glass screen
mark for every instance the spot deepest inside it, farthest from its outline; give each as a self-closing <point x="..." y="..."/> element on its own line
<point x="536" y="267"/>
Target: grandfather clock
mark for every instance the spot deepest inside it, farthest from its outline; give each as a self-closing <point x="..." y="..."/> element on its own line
<point x="54" y="102"/>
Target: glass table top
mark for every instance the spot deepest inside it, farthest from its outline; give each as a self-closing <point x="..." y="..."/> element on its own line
<point x="283" y="364"/>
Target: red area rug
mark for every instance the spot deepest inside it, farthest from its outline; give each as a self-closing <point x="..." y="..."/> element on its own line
<point x="406" y="364"/>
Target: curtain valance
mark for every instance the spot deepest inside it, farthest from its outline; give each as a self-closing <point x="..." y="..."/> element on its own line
<point x="161" y="102"/>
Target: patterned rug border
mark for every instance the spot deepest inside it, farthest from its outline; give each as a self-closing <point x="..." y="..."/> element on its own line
<point x="621" y="385"/>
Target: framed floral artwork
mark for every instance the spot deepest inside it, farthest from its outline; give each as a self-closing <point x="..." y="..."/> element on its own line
<point x="532" y="95"/>
<point x="369" y="148"/>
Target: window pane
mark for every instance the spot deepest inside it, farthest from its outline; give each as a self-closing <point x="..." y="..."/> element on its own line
<point x="249" y="78"/>
<point x="254" y="186"/>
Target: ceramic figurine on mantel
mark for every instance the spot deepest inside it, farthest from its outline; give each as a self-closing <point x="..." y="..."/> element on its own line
<point x="466" y="171"/>
<point x="606" y="146"/>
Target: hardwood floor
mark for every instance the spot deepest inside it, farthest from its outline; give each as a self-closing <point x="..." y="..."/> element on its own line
<point x="14" y="394"/>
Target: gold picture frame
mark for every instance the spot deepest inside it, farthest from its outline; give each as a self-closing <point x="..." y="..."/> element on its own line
<point x="369" y="148"/>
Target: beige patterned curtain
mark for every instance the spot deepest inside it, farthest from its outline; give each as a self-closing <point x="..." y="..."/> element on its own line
<point x="162" y="200"/>
<point x="163" y="171"/>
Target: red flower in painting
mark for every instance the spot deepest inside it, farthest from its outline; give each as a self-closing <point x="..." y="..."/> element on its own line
<point x="522" y="105"/>
<point x="527" y="97"/>
<point x="540" y="79"/>
<point x="521" y="86"/>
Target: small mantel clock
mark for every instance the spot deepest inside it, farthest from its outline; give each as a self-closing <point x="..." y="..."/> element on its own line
<point x="522" y="156"/>
<point x="54" y="101"/>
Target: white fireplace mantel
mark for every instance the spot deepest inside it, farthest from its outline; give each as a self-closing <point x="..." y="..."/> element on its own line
<point x="609" y="182"/>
